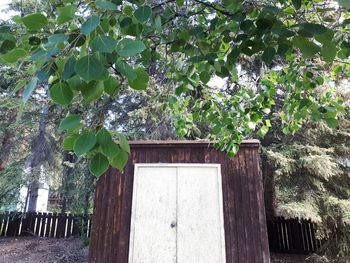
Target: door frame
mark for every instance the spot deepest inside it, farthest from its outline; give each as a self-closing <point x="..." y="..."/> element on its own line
<point x="175" y="165"/>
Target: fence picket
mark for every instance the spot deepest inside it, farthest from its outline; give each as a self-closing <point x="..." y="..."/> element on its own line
<point x="285" y="235"/>
<point x="292" y="235"/>
<point x="44" y="224"/>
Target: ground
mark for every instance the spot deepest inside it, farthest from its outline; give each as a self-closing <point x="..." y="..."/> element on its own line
<point x="42" y="250"/>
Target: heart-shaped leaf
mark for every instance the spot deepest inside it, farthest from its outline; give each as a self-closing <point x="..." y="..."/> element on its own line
<point x="120" y="160"/>
<point x="84" y="143"/>
<point x="68" y="70"/>
<point x="329" y="51"/>
<point x="143" y="13"/>
<point x="126" y="70"/>
<point x="111" y="85"/>
<point x="13" y="55"/>
<point x="61" y="93"/>
<point x="104" y="137"/>
<point x="129" y="47"/>
<point x="141" y="81"/>
<point x="99" y="164"/>
<point x="92" y="91"/>
<point x="90" y="25"/>
<point x="124" y="143"/>
<point x="68" y="142"/>
<point x="70" y="122"/>
<point x="106" y="5"/>
<point x="105" y="44"/>
<point x="35" y="22"/>
<point x="89" y="68"/>
<point x="268" y="55"/>
<point x="66" y="13"/>
<point x="314" y="29"/>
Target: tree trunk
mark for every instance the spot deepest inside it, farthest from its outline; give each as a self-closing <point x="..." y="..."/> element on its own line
<point x="7" y="141"/>
<point x="269" y="187"/>
<point x="67" y="186"/>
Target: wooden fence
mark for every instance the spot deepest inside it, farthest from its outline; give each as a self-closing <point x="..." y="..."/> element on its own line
<point x="294" y="235"/>
<point x="52" y="225"/>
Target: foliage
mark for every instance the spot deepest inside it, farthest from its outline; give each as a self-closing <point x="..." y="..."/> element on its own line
<point x="86" y="51"/>
<point x="10" y="181"/>
<point x="312" y="180"/>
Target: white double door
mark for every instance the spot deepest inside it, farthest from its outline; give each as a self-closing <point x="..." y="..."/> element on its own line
<point x="177" y="214"/>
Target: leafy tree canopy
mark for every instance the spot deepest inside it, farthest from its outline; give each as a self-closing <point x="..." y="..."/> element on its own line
<point x="267" y="53"/>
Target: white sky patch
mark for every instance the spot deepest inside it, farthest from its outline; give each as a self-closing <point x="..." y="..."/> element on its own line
<point x="217" y="82"/>
<point x="4" y="13"/>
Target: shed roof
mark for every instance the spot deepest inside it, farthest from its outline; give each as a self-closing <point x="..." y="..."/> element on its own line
<point x="187" y="143"/>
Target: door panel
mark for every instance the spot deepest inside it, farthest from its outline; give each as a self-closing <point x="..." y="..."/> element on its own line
<point x="199" y="216"/>
<point x="154" y="208"/>
<point x="177" y="214"/>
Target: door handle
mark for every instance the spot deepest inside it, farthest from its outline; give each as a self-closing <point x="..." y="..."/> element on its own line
<point x="173" y="224"/>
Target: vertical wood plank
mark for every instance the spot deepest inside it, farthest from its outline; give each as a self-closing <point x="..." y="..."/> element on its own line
<point x="261" y="206"/>
<point x="254" y="206"/>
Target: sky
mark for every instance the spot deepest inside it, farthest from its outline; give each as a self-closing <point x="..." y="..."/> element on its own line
<point x="5" y="15"/>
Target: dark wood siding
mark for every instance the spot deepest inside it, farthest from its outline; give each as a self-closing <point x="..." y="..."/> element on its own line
<point x="244" y="212"/>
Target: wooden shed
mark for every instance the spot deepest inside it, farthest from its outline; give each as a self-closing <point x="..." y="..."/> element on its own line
<point x="181" y="201"/>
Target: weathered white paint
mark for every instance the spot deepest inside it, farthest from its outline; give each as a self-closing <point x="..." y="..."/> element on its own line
<point x="200" y="235"/>
<point x="154" y="200"/>
<point x="177" y="214"/>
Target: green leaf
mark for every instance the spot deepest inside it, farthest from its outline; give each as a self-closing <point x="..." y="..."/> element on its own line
<point x="84" y="143"/>
<point x="111" y="85"/>
<point x="68" y="142"/>
<point x="143" y="13"/>
<point x="308" y="48"/>
<point x="57" y="38"/>
<point x="68" y="69"/>
<point x="129" y="47"/>
<point x="296" y="4"/>
<point x="180" y="2"/>
<point x="106" y="5"/>
<point x="124" y="143"/>
<point x="69" y="122"/>
<point x="325" y="37"/>
<point x="29" y="88"/>
<point x="90" y="25"/>
<point x="105" y="44"/>
<point x="98" y="164"/>
<point x="110" y="150"/>
<point x="344" y="3"/>
<point x="92" y="91"/>
<point x="126" y="70"/>
<point x="34" y="41"/>
<point x="66" y="13"/>
<point x="13" y="55"/>
<point x="263" y="130"/>
<point x="332" y="123"/>
<point x="108" y="146"/>
<point x="120" y="160"/>
<point x="329" y="51"/>
<point x="314" y="29"/>
<point x="268" y="55"/>
<point x="89" y="68"/>
<point x="204" y="77"/>
<point x="104" y="137"/>
<point x="61" y="93"/>
<point x="35" y="22"/>
<point x="141" y="81"/>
